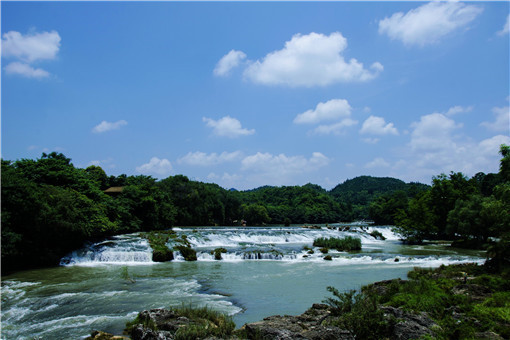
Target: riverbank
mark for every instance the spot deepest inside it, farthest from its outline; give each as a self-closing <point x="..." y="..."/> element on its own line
<point x="450" y="302"/>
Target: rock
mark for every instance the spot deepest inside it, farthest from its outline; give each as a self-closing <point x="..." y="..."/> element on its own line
<point x="474" y="291"/>
<point x="410" y="325"/>
<point x="488" y="335"/>
<point x="308" y="325"/>
<point x="98" y="335"/>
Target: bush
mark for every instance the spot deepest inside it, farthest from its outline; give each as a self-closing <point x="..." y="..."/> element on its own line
<point x="328" y="258"/>
<point x="346" y="244"/>
<point x="157" y="241"/>
<point x="324" y="250"/>
<point x="217" y="253"/>
<point x="188" y="253"/>
<point x="377" y="235"/>
<point x="206" y="323"/>
<point x="359" y="314"/>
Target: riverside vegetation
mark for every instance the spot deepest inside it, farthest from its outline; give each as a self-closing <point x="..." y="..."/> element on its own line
<point x="50" y="207"/>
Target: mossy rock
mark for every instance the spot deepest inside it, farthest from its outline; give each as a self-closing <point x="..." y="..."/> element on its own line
<point x="328" y="258"/>
<point x="188" y="253"/>
<point x="218" y="252"/>
<point x="162" y="255"/>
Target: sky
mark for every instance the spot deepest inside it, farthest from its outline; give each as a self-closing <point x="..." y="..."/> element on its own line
<point x="245" y="94"/>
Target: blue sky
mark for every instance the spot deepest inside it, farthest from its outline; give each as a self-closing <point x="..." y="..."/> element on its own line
<point x="258" y="93"/>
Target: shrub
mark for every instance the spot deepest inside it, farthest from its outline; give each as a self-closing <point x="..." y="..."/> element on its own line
<point x="157" y="241"/>
<point x="328" y="258"/>
<point x="324" y="250"/>
<point x="206" y="323"/>
<point x="377" y="235"/>
<point x="188" y="253"/>
<point x="346" y="244"/>
<point x="217" y="253"/>
<point x="359" y="314"/>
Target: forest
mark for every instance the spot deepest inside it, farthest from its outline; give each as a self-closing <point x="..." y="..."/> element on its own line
<point x="50" y="207"/>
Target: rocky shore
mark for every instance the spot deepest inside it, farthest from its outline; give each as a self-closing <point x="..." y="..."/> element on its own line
<point x="461" y="301"/>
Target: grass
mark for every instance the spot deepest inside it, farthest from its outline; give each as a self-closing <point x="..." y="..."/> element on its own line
<point x="206" y="322"/>
<point x="341" y="244"/>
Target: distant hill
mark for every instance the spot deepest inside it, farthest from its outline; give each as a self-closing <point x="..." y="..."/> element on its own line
<point x="360" y="191"/>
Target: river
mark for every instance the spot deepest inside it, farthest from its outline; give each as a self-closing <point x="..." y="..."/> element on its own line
<point x="266" y="271"/>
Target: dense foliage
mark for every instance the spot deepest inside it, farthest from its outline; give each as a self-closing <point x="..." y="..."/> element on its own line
<point x="465" y="301"/>
<point x="467" y="210"/>
<point x="347" y="243"/>
<point x="375" y="198"/>
<point x="50" y="207"/>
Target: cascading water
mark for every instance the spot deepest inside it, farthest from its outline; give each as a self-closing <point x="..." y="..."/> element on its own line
<point x="121" y="250"/>
<point x="263" y="271"/>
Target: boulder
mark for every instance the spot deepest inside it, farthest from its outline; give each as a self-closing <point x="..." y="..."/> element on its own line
<point x="309" y="325"/>
<point x="98" y="335"/>
<point x="409" y="325"/>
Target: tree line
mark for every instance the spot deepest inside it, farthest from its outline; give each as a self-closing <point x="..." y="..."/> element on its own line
<point x="50" y="207"/>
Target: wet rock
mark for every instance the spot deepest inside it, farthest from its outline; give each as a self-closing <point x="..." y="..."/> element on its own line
<point x="410" y="325"/>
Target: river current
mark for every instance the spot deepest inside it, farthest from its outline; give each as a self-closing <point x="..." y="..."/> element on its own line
<point x="266" y="271"/>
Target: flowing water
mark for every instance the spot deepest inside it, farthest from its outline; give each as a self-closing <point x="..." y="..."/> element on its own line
<point x="266" y="271"/>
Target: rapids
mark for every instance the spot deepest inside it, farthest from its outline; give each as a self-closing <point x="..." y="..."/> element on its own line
<point x="266" y="271"/>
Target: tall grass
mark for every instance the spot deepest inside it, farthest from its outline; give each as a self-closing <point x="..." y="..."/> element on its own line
<point x="341" y="244"/>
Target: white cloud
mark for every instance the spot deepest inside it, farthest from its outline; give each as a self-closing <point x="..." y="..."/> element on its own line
<point x="27" y="49"/>
<point x="229" y="61"/>
<point x="458" y="109"/>
<point x="377" y="163"/>
<point x="280" y="166"/>
<point x="105" y="126"/>
<point x="432" y="132"/>
<point x="25" y="70"/>
<point x="336" y="129"/>
<point x="227" y="127"/>
<point x="161" y="167"/>
<point x="203" y="159"/>
<point x="310" y="60"/>
<point x="31" y="47"/>
<point x="377" y="126"/>
<point x="502" y="120"/>
<point x="330" y="110"/>
<point x="506" y="28"/>
<point x="428" y="23"/>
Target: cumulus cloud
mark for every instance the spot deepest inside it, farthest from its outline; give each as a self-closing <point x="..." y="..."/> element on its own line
<point x="203" y="159"/>
<point x="502" y="120"/>
<point x="458" y="109"/>
<point x="156" y="166"/>
<point x="330" y="110"/>
<point x="378" y="162"/>
<point x="105" y="126"/>
<point x="31" y="47"/>
<point x="26" y="70"/>
<point x="336" y="129"/>
<point x="505" y="28"/>
<point x="377" y="126"/>
<point x="228" y="62"/>
<point x="428" y="23"/>
<point x="27" y="49"/>
<point x="282" y="165"/>
<point x="227" y="127"/>
<point x="310" y="60"/>
<point x="433" y="132"/>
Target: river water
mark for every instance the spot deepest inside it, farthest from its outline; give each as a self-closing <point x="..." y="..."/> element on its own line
<point x="266" y="271"/>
